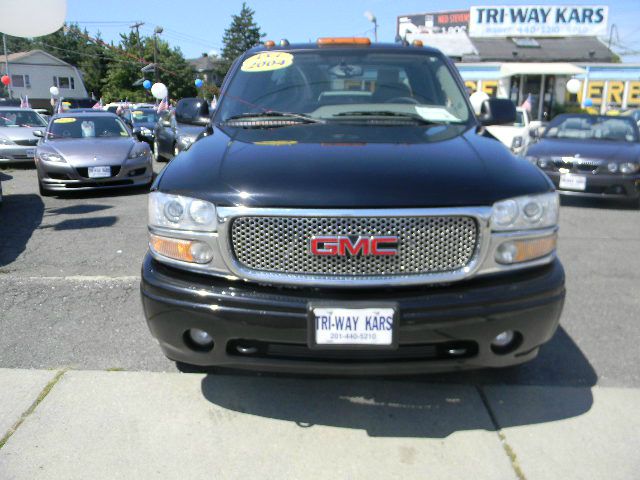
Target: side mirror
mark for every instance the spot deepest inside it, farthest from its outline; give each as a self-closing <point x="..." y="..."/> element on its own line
<point x="38" y="133"/>
<point x="497" y="111"/>
<point x="534" y="133"/>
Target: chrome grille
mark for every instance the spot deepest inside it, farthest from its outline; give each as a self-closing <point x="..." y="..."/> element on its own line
<point x="578" y="164"/>
<point x="427" y="244"/>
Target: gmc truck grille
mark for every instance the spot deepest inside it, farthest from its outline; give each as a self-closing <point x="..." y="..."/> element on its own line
<point x="429" y="244"/>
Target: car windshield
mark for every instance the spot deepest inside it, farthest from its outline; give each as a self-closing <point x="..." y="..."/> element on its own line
<point x="356" y="84"/>
<point x="519" y="119"/>
<point x="593" y="128"/>
<point x="144" y="116"/>
<point x="99" y="126"/>
<point x="21" y="118"/>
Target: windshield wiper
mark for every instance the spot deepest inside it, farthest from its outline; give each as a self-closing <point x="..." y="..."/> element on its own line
<point x="272" y="113"/>
<point x="388" y="113"/>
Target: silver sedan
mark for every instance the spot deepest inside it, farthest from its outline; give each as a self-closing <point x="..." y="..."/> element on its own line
<point x="84" y="151"/>
<point x="17" y="143"/>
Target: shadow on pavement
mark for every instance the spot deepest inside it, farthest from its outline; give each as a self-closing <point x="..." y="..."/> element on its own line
<point x="419" y="406"/>
<point x="19" y="217"/>
<point x="603" y="203"/>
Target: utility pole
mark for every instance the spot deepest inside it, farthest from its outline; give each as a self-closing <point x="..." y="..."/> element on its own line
<point x="156" y="31"/>
<point x="6" y="62"/>
<point x="372" y="18"/>
<point x="137" y="26"/>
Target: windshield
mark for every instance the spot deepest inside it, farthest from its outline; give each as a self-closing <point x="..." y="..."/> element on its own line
<point x="87" y="127"/>
<point x="519" y="119"/>
<point x="21" y="118"/>
<point x="329" y="84"/>
<point x="593" y="128"/>
<point x="144" y="116"/>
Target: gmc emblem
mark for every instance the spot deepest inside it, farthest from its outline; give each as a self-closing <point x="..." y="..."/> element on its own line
<point x="342" y="245"/>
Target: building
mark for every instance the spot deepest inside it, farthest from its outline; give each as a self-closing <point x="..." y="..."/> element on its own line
<point x="34" y="72"/>
<point x="531" y="52"/>
<point x="207" y="68"/>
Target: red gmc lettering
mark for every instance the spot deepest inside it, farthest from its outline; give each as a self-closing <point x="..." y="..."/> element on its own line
<point x="343" y="246"/>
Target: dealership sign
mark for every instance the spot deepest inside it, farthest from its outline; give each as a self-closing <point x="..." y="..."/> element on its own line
<point x="538" y="21"/>
<point x="454" y="21"/>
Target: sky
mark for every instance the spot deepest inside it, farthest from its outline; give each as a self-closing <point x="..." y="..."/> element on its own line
<point x="197" y="26"/>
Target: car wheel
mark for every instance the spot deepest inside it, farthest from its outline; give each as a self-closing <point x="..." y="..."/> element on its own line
<point x="156" y="151"/>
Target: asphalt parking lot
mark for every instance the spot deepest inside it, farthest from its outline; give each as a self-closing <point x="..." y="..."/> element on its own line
<point x="69" y="298"/>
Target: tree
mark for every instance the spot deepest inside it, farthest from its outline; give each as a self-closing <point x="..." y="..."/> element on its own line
<point x="242" y="34"/>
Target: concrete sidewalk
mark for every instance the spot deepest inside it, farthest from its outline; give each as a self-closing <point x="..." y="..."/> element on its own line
<point x="94" y="424"/>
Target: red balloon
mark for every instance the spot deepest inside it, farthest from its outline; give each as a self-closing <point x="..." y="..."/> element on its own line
<point x="6" y="80"/>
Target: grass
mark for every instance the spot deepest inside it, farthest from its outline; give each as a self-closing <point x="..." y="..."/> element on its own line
<point x="43" y="394"/>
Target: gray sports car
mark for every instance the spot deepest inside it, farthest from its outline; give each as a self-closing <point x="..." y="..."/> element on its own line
<point x="83" y="151"/>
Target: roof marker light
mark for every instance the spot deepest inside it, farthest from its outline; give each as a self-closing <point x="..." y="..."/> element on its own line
<point x="284" y="42"/>
<point x="328" y="41"/>
<point x="269" y="43"/>
<point x="417" y="43"/>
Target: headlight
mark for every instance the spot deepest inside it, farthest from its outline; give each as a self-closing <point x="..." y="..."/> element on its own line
<point x="629" y="167"/>
<point x="145" y="131"/>
<point x="531" y="159"/>
<point x="517" y="142"/>
<point x="51" y="157"/>
<point x="181" y="213"/>
<point x="612" y="167"/>
<point x="137" y="152"/>
<point x="5" y="141"/>
<point x="523" y="213"/>
<point x="544" y="162"/>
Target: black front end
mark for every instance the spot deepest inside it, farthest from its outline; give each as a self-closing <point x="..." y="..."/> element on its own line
<point x="439" y="328"/>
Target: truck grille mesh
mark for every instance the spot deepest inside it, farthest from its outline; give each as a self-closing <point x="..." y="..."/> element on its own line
<point x="426" y="244"/>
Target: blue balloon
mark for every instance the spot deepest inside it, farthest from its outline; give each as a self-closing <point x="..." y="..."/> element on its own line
<point x="199" y="83"/>
<point x="588" y="102"/>
<point x="147" y="84"/>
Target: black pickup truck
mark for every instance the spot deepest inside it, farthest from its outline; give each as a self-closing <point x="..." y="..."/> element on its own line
<point x="346" y="212"/>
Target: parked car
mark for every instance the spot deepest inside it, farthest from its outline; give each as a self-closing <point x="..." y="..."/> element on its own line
<point x="591" y="155"/>
<point x="89" y="150"/>
<point x="142" y="122"/>
<point x="179" y="128"/>
<point x="17" y="143"/>
<point x="519" y="134"/>
<point x="317" y="228"/>
<point x="633" y="113"/>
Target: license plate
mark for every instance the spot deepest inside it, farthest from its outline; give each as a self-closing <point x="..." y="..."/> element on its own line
<point x="99" y="172"/>
<point x="31" y="152"/>
<point x="338" y="326"/>
<point x="569" y="181"/>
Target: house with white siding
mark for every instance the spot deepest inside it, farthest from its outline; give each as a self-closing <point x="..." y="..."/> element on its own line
<point x="34" y="72"/>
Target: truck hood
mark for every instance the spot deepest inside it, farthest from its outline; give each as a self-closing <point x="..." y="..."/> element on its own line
<point x="83" y="152"/>
<point x="338" y="166"/>
<point x="596" y="149"/>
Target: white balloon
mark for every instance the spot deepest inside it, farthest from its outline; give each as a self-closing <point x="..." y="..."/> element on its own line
<point x="54" y="91"/>
<point x="32" y="18"/>
<point x="159" y="90"/>
<point x="573" y="85"/>
<point x="477" y="99"/>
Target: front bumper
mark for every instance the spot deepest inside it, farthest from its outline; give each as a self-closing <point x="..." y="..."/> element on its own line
<point x="60" y="177"/>
<point x="603" y="186"/>
<point x="272" y="321"/>
<point x="17" y="153"/>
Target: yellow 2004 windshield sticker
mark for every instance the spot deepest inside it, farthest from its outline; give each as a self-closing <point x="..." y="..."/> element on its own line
<point x="64" y="120"/>
<point x="267" y="61"/>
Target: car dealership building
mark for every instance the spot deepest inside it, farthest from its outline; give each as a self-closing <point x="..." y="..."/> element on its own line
<point x="532" y="51"/>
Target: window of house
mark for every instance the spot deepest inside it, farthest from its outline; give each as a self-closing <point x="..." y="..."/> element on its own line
<point x="64" y="82"/>
<point x="20" y="81"/>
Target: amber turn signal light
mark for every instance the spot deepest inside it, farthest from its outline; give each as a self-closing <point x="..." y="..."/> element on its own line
<point x="517" y="251"/>
<point x="329" y="41"/>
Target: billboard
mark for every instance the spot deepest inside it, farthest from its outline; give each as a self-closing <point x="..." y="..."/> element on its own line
<point x="538" y="21"/>
<point x="454" y="21"/>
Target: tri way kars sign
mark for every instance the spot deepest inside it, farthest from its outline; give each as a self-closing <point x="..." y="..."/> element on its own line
<point x="538" y="21"/>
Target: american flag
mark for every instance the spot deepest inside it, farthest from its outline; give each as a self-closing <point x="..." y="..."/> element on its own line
<point x="24" y="102"/>
<point x="527" y="103"/>
<point x="214" y="103"/>
<point x="98" y="105"/>
<point x="164" y="105"/>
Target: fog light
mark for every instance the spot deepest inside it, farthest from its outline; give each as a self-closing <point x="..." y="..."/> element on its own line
<point x="503" y="339"/>
<point x="516" y="251"/>
<point x="612" y="167"/>
<point x="200" y="338"/>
